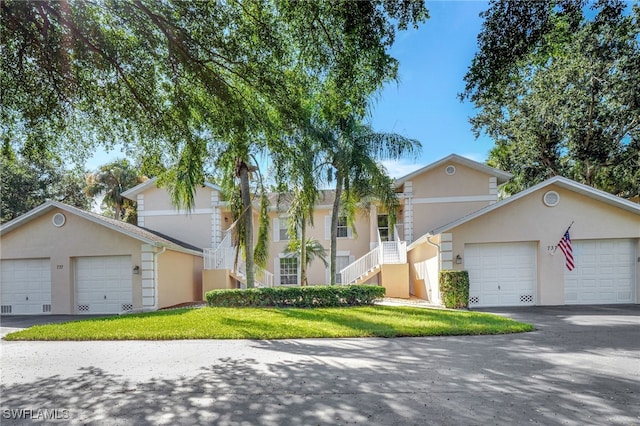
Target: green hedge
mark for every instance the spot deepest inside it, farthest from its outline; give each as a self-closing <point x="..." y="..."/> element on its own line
<point x="298" y="297"/>
<point x="454" y="289"/>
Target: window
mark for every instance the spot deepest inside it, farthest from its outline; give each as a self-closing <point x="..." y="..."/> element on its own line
<point x="341" y="262"/>
<point x="383" y="226"/>
<point x="282" y="229"/>
<point x="288" y="271"/>
<point x="343" y="229"/>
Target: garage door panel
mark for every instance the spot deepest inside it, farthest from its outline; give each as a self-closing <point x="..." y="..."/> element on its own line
<point x="103" y="284"/>
<point x="501" y="274"/>
<point x="604" y="272"/>
<point x="26" y="286"/>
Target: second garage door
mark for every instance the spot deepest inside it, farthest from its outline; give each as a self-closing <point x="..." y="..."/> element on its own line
<point x="501" y="274"/>
<point x="103" y="284"/>
<point x="604" y="272"/>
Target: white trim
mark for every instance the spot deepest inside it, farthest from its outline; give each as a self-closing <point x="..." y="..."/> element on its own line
<point x="103" y="221"/>
<point x="140" y="209"/>
<point x="499" y="174"/>
<point x="560" y="181"/>
<point x="149" y="213"/>
<point x="455" y="199"/>
<point x="129" y="193"/>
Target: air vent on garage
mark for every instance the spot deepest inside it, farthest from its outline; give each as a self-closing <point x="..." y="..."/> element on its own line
<point x="526" y="298"/>
<point x="58" y="220"/>
<point x="450" y="169"/>
<point x="83" y="308"/>
<point x="46" y="308"/>
<point x="5" y="309"/>
<point x="474" y="300"/>
<point x="551" y="198"/>
<point x="127" y="307"/>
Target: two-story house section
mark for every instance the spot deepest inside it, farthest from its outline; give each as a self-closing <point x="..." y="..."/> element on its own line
<point x="203" y="225"/>
<point x="448" y="189"/>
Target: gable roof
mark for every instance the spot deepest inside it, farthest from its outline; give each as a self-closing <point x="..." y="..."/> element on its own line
<point x="152" y="183"/>
<point x="560" y="181"/>
<point x="144" y="235"/>
<point x="501" y="176"/>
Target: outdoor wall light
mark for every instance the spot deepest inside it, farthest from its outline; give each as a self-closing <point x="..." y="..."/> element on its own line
<point x="136" y="270"/>
<point x="458" y="260"/>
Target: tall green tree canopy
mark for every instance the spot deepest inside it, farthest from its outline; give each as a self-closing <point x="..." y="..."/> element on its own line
<point x="557" y="86"/>
<point x="25" y="183"/>
<point x="110" y="181"/>
<point x="144" y="73"/>
<point x="195" y="81"/>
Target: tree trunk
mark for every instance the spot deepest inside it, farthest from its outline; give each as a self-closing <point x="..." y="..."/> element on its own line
<point x="303" y="251"/>
<point x="245" y="192"/>
<point x="334" y="227"/>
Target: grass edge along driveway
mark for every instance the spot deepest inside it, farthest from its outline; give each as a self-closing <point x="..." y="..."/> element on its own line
<point x="277" y="323"/>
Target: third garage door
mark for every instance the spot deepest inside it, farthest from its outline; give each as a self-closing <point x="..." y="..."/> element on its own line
<point x="604" y="272"/>
<point x="103" y="284"/>
<point x="501" y="274"/>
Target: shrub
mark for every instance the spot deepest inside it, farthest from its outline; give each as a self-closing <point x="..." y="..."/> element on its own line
<point x="454" y="289"/>
<point x="298" y="297"/>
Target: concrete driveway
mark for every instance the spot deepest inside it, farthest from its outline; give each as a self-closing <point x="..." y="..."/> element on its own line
<point x="581" y="366"/>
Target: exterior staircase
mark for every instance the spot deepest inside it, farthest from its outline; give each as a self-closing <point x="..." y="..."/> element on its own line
<point x="223" y="257"/>
<point x="369" y="265"/>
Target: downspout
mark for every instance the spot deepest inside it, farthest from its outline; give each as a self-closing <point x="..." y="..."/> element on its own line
<point x="434" y="245"/>
<point x="437" y="286"/>
<point x="155" y="277"/>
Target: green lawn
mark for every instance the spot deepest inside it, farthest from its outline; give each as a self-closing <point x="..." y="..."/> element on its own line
<point x="273" y="323"/>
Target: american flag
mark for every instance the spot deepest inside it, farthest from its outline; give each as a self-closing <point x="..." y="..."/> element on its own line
<point x="565" y="246"/>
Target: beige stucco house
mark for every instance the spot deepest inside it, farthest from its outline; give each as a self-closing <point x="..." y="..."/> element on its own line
<point x="62" y="260"/>
<point x="450" y="217"/>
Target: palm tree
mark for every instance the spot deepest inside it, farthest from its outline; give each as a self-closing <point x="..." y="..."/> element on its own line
<point x="111" y="180"/>
<point x="354" y="152"/>
<point x="307" y="253"/>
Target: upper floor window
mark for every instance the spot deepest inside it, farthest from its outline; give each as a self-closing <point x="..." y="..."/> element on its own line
<point x="343" y="228"/>
<point x="282" y="229"/>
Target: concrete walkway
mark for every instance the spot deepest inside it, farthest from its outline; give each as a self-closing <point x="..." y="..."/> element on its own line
<point x="581" y="366"/>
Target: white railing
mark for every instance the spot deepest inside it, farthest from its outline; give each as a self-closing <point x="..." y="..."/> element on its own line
<point x="223" y="257"/>
<point x="387" y="252"/>
<point x="360" y="267"/>
<point x="220" y="257"/>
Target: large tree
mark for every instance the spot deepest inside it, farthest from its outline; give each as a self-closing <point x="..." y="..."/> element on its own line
<point x="28" y="182"/>
<point x="185" y="75"/>
<point x="110" y="181"/>
<point x="557" y="86"/>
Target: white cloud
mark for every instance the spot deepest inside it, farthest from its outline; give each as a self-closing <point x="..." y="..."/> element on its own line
<point x="400" y="168"/>
<point x="475" y="156"/>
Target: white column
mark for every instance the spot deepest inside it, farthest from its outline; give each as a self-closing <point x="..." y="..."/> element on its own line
<point x="408" y="211"/>
<point x="140" y="209"/>
<point x="446" y="251"/>
<point x="216" y="227"/>
<point x="493" y="189"/>
<point x="148" y="274"/>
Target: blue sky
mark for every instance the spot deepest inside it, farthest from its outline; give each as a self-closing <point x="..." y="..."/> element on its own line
<point x="424" y="105"/>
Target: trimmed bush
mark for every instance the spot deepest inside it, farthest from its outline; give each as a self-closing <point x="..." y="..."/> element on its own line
<point x="297" y="297"/>
<point x="454" y="289"/>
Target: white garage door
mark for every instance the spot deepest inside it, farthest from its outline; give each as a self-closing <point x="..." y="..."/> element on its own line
<point x="103" y="284"/>
<point x="503" y="274"/>
<point x="26" y="286"/>
<point x="604" y="272"/>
